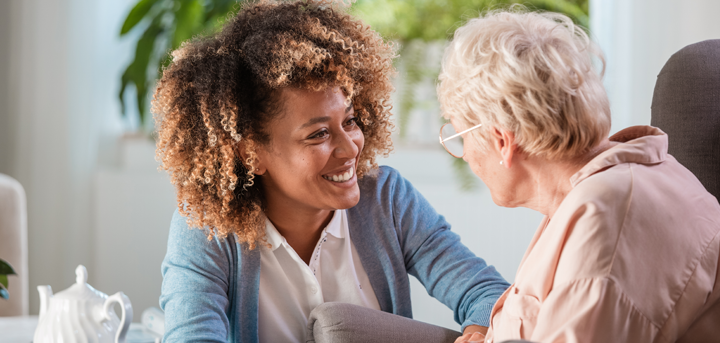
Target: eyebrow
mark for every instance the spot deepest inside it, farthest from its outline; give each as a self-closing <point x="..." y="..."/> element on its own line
<point x="316" y="120"/>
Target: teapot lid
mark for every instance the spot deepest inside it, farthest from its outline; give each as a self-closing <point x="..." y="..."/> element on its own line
<point x="81" y="290"/>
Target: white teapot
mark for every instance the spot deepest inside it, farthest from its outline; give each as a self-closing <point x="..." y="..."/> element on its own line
<point x="81" y="314"/>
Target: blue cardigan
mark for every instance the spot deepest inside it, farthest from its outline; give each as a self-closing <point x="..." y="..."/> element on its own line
<point x="210" y="288"/>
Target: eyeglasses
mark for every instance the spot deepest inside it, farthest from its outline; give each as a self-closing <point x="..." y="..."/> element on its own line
<point x="454" y="147"/>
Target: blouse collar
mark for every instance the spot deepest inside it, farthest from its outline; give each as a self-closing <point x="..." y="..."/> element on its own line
<point x="334" y="228"/>
<point x="638" y="144"/>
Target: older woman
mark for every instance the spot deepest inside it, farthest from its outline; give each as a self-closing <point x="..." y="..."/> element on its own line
<point x="628" y="248"/>
<point x="269" y="131"/>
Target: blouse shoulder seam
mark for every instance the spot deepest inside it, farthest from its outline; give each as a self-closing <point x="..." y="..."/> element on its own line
<point x="622" y="226"/>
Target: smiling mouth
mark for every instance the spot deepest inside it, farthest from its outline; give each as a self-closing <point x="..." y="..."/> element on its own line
<point x="342" y="177"/>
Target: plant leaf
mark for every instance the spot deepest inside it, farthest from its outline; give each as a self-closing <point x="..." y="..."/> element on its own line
<point x="219" y="10"/>
<point x="137" y="72"/>
<point x="188" y="18"/>
<point x="6" y="268"/>
<point x="138" y="12"/>
<point x="136" y="15"/>
<point x="4" y="281"/>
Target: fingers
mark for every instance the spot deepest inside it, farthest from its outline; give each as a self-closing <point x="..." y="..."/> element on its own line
<point x="475" y="337"/>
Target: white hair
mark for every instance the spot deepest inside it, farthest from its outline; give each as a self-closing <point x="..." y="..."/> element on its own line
<point x="529" y="73"/>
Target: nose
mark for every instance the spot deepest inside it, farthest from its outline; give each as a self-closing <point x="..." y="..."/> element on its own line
<point x="346" y="145"/>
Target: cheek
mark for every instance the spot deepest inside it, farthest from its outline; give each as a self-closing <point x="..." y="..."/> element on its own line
<point x="475" y="165"/>
<point x="289" y="165"/>
<point x="359" y="140"/>
<point x="472" y="156"/>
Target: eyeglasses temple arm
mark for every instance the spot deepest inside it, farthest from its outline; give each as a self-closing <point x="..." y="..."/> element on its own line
<point x="458" y="134"/>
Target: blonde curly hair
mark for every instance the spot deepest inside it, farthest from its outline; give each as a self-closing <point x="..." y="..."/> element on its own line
<point x="224" y="89"/>
<point x="530" y="73"/>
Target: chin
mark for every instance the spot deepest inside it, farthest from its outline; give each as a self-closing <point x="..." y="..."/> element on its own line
<point x="348" y="201"/>
<point x="500" y="201"/>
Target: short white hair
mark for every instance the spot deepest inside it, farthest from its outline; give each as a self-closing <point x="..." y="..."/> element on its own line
<point x="529" y="73"/>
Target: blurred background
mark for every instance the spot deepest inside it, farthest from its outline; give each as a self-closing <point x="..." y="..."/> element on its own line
<point x="76" y="77"/>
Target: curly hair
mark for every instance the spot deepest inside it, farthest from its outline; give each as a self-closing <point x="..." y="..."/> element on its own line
<point x="224" y="89"/>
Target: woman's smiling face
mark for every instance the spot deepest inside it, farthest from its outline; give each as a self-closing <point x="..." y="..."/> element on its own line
<point x="311" y="160"/>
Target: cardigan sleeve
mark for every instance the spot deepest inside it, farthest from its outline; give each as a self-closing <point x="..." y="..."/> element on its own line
<point x="195" y="285"/>
<point x="433" y="254"/>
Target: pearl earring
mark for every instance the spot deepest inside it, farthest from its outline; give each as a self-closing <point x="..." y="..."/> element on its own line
<point x="501" y="162"/>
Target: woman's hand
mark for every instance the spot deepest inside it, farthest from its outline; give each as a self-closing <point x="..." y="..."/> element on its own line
<point x="473" y="334"/>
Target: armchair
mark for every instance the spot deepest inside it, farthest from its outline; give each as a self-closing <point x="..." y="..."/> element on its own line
<point x="686" y="106"/>
<point x="13" y="245"/>
<point x="347" y="323"/>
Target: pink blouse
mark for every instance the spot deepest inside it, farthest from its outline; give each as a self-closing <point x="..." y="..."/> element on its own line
<point x="631" y="255"/>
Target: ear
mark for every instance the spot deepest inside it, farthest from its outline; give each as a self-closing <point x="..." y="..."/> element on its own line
<point x="504" y="144"/>
<point x="242" y="154"/>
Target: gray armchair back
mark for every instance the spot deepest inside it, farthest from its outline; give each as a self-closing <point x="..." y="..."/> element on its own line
<point x="686" y="105"/>
<point x="347" y="323"/>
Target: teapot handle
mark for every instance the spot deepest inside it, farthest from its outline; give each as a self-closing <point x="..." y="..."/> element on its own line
<point x="127" y="314"/>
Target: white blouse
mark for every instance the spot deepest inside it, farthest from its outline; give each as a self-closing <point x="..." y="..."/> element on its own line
<point x="291" y="289"/>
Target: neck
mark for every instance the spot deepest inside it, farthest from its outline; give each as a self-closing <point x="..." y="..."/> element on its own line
<point x="300" y="227"/>
<point x="551" y="179"/>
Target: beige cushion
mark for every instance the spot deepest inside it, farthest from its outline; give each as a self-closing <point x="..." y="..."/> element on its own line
<point x="13" y="245"/>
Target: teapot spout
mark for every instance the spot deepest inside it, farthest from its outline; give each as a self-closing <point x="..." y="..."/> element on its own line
<point x="45" y="294"/>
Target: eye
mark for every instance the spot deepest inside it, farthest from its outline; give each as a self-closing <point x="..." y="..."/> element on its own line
<point x="351" y="122"/>
<point x="319" y="134"/>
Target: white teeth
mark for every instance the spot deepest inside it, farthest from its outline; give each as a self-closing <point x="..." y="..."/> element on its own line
<point x="342" y="177"/>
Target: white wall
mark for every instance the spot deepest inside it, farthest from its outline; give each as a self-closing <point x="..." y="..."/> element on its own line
<point x="133" y="207"/>
<point x="638" y="37"/>
<point x="61" y="60"/>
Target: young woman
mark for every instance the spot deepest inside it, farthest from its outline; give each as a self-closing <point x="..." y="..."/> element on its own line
<point x="269" y="131"/>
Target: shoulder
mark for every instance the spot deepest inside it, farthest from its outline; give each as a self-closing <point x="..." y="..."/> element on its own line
<point x="385" y="187"/>
<point x="600" y="201"/>
<point x="180" y="231"/>
<point x="589" y="222"/>
<point x="379" y="186"/>
<point x="379" y="178"/>
<point x="187" y="242"/>
<point x="604" y="187"/>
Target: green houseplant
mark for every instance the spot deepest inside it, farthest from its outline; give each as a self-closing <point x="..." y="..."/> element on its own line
<point x="416" y="23"/>
<point x="165" y="24"/>
<point x="5" y="270"/>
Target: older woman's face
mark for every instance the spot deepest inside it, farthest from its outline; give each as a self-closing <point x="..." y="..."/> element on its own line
<point x="311" y="160"/>
<point x="485" y="163"/>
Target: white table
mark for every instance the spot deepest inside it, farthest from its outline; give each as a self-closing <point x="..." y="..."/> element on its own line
<point x="21" y="329"/>
<point x="17" y="329"/>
